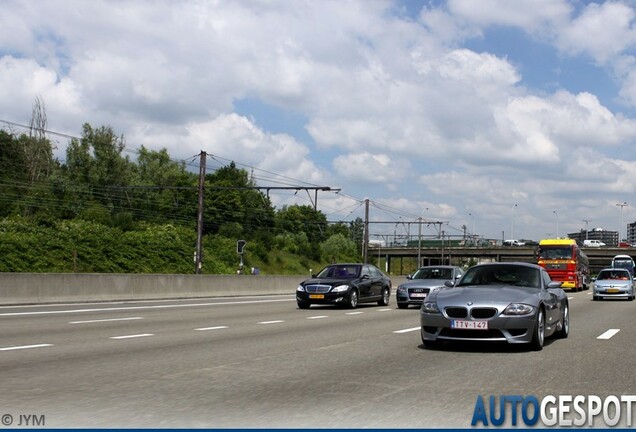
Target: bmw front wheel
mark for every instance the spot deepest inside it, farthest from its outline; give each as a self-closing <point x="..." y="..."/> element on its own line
<point x="538" y="336"/>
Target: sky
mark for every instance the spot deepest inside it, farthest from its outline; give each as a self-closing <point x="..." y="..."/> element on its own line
<point x="502" y="119"/>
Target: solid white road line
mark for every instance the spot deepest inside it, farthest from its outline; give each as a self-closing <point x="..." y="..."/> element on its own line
<point x="143" y="307"/>
<point x="25" y="347"/>
<point x="105" y="320"/>
<point x="318" y="317"/>
<point x="271" y="322"/>
<point x="407" y="330"/>
<point x="608" y="334"/>
<point x="211" y="328"/>
<point x="132" y="336"/>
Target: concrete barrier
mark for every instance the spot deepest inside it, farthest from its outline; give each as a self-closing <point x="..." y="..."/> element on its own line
<point x="37" y="288"/>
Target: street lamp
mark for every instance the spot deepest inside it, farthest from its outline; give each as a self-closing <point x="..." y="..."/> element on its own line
<point x="557" y="221"/>
<point x="620" y="226"/>
<point x="473" y="230"/>
<point x="587" y="221"/>
<point x="512" y="222"/>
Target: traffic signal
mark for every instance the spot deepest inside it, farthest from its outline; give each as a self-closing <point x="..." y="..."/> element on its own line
<point x="240" y="244"/>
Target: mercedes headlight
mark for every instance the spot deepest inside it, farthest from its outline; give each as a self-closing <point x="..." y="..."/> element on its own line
<point x="340" y="288"/>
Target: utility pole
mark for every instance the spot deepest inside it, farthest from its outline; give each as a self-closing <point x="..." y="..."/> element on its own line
<point x="419" y="241"/>
<point x="365" y="245"/>
<point x="198" y="258"/>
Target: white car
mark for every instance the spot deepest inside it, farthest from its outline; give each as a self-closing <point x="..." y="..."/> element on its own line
<point x="613" y="283"/>
<point x="513" y="243"/>
<point x="593" y="243"/>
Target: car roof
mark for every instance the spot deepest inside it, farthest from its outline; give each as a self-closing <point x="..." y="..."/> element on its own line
<point x="512" y="263"/>
<point x="610" y="269"/>
<point x="438" y="266"/>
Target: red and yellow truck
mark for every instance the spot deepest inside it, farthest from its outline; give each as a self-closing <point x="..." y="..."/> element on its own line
<point x="565" y="262"/>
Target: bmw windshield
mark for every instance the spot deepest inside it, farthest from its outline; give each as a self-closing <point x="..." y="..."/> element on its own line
<point x="490" y="275"/>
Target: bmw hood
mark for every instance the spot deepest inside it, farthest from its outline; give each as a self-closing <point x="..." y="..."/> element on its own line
<point x="479" y="294"/>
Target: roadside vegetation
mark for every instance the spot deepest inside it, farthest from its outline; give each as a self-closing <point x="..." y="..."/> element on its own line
<point x="101" y="210"/>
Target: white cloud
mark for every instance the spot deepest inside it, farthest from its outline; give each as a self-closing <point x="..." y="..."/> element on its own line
<point x="602" y="31"/>
<point x="387" y="100"/>
<point x="366" y="167"/>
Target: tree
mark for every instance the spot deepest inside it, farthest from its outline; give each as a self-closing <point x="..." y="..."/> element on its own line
<point x="230" y="201"/>
<point x="13" y="176"/>
<point x="38" y="150"/>
<point x="158" y="198"/>
<point x="96" y="164"/>
<point x="338" y="248"/>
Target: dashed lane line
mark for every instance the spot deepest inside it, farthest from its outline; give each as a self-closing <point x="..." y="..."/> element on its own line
<point x="272" y="322"/>
<point x="317" y="317"/>
<point x="609" y="334"/>
<point x="132" y="336"/>
<point x="408" y="330"/>
<point x="105" y="320"/>
<point x="25" y="347"/>
<point x="211" y="328"/>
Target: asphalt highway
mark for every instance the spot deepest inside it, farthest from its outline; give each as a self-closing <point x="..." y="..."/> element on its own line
<point x="259" y="362"/>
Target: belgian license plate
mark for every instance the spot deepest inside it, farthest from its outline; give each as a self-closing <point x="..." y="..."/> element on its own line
<point x="316" y="296"/>
<point x="469" y="325"/>
<point x="418" y="295"/>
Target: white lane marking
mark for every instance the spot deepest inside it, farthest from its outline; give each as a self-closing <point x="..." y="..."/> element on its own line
<point x="272" y="322"/>
<point x="384" y="310"/>
<point x="105" y="320"/>
<point x="318" y="317"/>
<point x="608" y="334"/>
<point x="132" y="336"/>
<point x="211" y="328"/>
<point x="407" y="330"/>
<point x="25" y="347"/>
<point x="142" y="307"/>
<point x="354" y="313"/>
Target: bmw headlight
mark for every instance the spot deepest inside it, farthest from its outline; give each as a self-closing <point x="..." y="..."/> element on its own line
<point x="430" y="307"/>
<point x="300" y="288"/>
<point x="340" y="288"/>
<point x="518" y="309"/>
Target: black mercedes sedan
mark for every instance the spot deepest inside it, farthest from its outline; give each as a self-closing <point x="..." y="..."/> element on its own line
<point x="345" y="285"/>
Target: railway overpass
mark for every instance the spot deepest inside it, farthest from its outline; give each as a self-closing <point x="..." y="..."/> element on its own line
<point x="400" y="260"/>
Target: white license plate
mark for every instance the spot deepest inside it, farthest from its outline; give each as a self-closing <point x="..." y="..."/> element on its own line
<point x="469" y="325"/>
<point x="418" y="295"/>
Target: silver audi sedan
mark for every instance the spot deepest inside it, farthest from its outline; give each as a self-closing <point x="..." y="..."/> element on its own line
<point x="613" y="283"/>
<point x="516" y="303"/>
